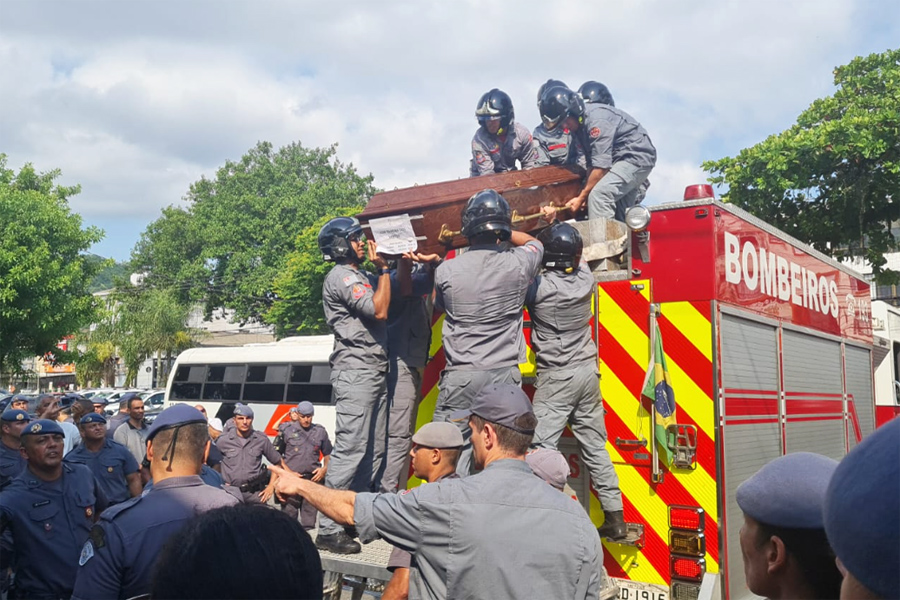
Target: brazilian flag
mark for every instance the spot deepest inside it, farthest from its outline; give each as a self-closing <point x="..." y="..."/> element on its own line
<point x="658" y="389"/>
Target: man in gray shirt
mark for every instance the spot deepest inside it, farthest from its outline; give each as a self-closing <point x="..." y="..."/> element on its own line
<point x="499" y="141"/>
<point x="502" y="533"/>
<point x="133" y="433"/>
<point x="554" y="144"/>
<point x="356" y="308"/>
<point x="482" y="291"/>
<point x="243" y="449"/>
<point x="568" y="380"/>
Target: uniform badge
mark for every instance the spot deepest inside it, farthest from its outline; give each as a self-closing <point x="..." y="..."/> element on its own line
<point x="87" y="553"/>
<point x="35" y="428"/>
<point x="20" y="417"/>
<point x="348" y="280"/>
<point x="479" y="158"/>
<point x="595" y="132"/>
<point x="358" y="292"/>
<point x="89" y="512"/>
<point x="109" y="469"/>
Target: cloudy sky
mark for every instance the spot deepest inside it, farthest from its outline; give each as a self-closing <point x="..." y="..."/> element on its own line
<point x="135" y="100"/>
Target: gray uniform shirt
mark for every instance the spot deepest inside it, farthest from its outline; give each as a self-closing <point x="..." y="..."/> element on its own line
<point x="482" y="292"/>
<point x="610" y="135"/>
<point x="557" y="146"/>
<point x="303" y="447"/>
<point x="502" y="533"/>
<point x="559" y="305"/>
<point x="409" y="322"/>
<point x="493" y="154"/>
<point x="242" y="457"/>
<point x="360" y="340"/>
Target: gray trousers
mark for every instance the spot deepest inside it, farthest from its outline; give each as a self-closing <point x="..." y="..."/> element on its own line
<point x="572" y="396"/>
<point x="360" y="433"/>
<point x="296" y="505"/>
<point x="404" y="389"/>
<point x="620" y="189"/>
<point x="457" y="390"/>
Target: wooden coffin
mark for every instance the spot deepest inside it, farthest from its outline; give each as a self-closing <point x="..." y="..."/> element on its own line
<point x="435" y="209"/>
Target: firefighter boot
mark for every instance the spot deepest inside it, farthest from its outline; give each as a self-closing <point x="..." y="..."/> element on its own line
<point x="338" y="543"/>
<point x="613" y="525"/>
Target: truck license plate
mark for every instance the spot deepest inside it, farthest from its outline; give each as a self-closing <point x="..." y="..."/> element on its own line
<point x="633" y="590"/>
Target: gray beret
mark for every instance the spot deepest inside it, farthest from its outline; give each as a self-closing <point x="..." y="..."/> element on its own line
<point x="438" y="435"/>
<point x="306" y="408"/>
<point x="549" y="465"/>
<point x="243" y="410"/>
<point x="789" y="491"/>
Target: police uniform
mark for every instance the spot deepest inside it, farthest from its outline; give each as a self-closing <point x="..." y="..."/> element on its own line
<point x="498" y="154"/>
<point x="502" y="533"/>
<point x="557" y="146"/>
<point x="615" y="141"/>
<point x="11" y="460"/>
<point x="117" y="560"/>
<point x="302" y="451"/>
<point x="409" y="338"/>
<point x="110" y="466"/>
<point x="242" y="461"/>
<point x="49" y="522"/>
<point x="482" y="292"/>
<point x="359" y="363"/>
<point x="568" y="381"/>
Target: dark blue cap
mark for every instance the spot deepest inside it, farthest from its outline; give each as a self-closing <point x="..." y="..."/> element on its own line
<point x="243" y="410"/>
<point x="862" y="512"/>
<point x="175" y="416"/>
<point x="92" y="418"/>
<point x="504" y="404"/>
<point x="789" y="491"/>
<point x="99" y="400"/>
<point x="11" y="416"/>
<point x="43" y="427"/>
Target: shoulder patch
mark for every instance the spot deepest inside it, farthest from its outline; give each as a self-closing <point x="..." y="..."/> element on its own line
<point x="358" y="291"/>
<point x="348" y="280"/>
<point x="87" y="553"/>
<point x="480" y="158"/>
<point x="595" y="132"/>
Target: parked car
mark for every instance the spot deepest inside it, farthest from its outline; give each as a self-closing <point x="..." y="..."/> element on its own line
<point x="154" y="402"/>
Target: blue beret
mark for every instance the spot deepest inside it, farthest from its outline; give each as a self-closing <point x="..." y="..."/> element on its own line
<point x="92" y="418"/>
<point x="43" y="427"/>
<point x="862" y="511"/>
<point x="175" y="416"/>
<point x="243" y="410"/>
<point x="99" y="400"/>
<point x="11" y="416"/>
<point x="789" y="491"/>
<point x="306" y="408"/>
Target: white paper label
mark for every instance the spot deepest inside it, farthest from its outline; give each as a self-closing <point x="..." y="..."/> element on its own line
<point x="394" y="235"/>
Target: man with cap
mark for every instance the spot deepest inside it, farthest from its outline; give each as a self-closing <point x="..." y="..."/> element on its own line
<point x="18" y="403"/>
<point x="133" y="433"/>
<point x="434" y="454"/>
<point x="783" y="544"/>
<point x="550" y="465"/>
<point x="862" y="516"/>
<point x="117" y="559"/>
<point x="116" y="470"/>
<point x="49" y="509"/>
<point x="472" y="536"/>
<point x="307" y="451"/>
<point x="100" y="403"/>
<point x="120" y="418"/>
<point x="242" y="450"/>
<point x="12" y="422"/>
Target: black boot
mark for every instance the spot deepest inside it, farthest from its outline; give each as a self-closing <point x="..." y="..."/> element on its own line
<point x="338" y="543"/>
<point x="613" y="525"/>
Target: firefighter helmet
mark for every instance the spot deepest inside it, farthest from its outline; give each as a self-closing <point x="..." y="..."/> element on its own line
<point x="335" y="237"/>
<point x="557" y="103"/>
<point x="496" y="104"/>
<point x="595" y="92"/>
<point x="547" y="85"/>
<point x="487" y="211"/>
<point x="562" y="247"/>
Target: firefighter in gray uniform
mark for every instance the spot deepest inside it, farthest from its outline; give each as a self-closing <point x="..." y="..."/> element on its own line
<point x="307" y="451"/>
<point x="12" y="422"/>
<point x="499" y="141"/>
<point x="568" y="380"/>
<point x="242" y="450"/>
<point x="481" y="292"/>
<point x="619" y="152"/>
<point x="554" y="144"/>
<point x="117" y="559"/>
<point x="356" y="308"/>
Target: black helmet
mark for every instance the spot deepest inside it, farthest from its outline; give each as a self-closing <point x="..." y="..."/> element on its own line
<point x="487" y="211"/>
<point x="557" y="103"/>
<point x="595" y="92"/>
<point x="493" y="104"/>
<point x="546" y="85"/>
<point x="562" y="247"/>
<point x="334" y="238"/>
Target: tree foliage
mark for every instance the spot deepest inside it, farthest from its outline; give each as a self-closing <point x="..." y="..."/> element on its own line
<point x="832" y="179"/>
<point x="44" y="274"/>
<point x="231" y="241"/>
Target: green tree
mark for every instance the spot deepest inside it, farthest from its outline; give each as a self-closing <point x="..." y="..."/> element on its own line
<point x="832" y="179"/>
<point x="44" y="274"/>
<point x="232" y="240"/>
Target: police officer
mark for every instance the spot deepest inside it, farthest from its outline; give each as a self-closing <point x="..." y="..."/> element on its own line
<point x="100" y="404"/>
<point x="356" y="308"/>
<point x="12" y="422"/>
<point x="482" y="292"/>
<point x="620" y="153"/>
<point x="117" y="560"/>
<point x="499" y="141"/>
<point x="116" y="470"/>
<point x="553" y="143"/>
<point x="18" y="403"/>
<point x="242" y="450"/>
<point x="568" y="380"/>
<point x="307" y="451"/>
<point x="49" y="508"/>
<point x="468" y="534"/>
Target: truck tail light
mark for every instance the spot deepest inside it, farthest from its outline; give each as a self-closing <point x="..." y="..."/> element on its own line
<point x="687" y="542"/>
<point x="688" y="569"/>
<point x="687" y="517"/>
<point x="681" y="590"/>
